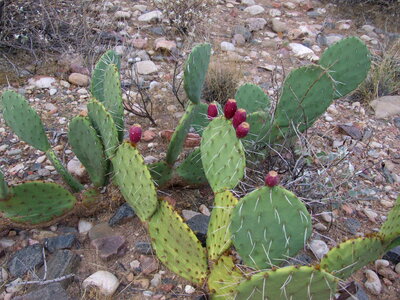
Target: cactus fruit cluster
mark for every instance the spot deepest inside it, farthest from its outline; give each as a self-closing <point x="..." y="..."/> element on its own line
<point x="265" y="227"/>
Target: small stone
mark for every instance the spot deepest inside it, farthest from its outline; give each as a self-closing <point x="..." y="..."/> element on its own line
<point x="42" y="82"/>
<point x="256" y="24"/>
<point x="60" y="242"/>
<point x="104" y="280"/>
<point x="150" y="17"/>
<point x="388" y="273"/>
<point x="333" y="38"/>
<point x="273" y="12"/>
<point x="327" y="217"/>
<point x="44" y="172"/>
<point x="373" y="284"/>
<point x="397" y="268"/>
<point x="148" y="264"/>
<point x="164" y="45"/>
<point x="122" y="15"/>
<point x="302" y="51"/>
<point x="14" y="286"/>
<point x="238" y="40"/>
<point x="278" y="26"/>
<point x="100" y="230"/>
<point x="189" y="289"/>
<point x="79" y="79"/>
<point x="146" y="67"/>
<point x="52" y="92"/>
<point x="139" y="43"/>
<point x="254" y="10"/>
<point x="352" y="131"/>
<point x="123" y="214"/>
<point x="110" y="246"/>
<point x="148" y="293"/>
<point x="320" y="227"/>
<point x="135" y="264"/>
<point x="84" y="226"/>
<point x="248" y="2"/>
<point x="143" y="248"/>
<point x="353" y="225"/>
<point x="328" y="118"/>
<point x="41" y="159"/>
<point x="143" y="283"/>
<point x="150" y="159"/>
<point x="226" y="46"/>
<point x="381" y="263"/>
<point x="25" y="260"/>
<point x="319" y="248"/>
<point x="204" y="210"/>
<point x="156" y="281"/>
<point x="370" y="214"/>
<point x="148" y="135"/>
<point x="14" y="152"/>
<point x="199" y="225"/>
<point x="243" y="31"/>
<point x="188" y="214"/>
<point x="386" y="106"/>
<point x="76" y="168"/>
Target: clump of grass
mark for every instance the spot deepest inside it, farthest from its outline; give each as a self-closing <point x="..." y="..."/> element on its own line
<point x="221" y="82"/>
<point x="383" y="78"/>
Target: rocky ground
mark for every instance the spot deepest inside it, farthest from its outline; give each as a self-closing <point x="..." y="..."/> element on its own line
<point x="354" y="151"/>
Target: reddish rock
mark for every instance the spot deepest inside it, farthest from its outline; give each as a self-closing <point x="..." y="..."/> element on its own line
<point x="110" y="246"/>
<point x="347" y="209"/>
<point x="166" y="134"/>
<point x="166" y="287"/>
<point x="164" y="45"/>
<point x="192" y="140"/>
<point x="148" y="264"/>
<point x="148" y="135"/>
<point x="139" y="43"/>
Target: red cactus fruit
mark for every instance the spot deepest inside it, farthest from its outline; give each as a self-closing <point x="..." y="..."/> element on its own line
<point x="135" y="133"/>
<point x="239" y="117"/>
<point x="230" y="108"/>
<point x="272" y="179"/>
<point x="242" y="130"/>
<point x="212" y="111"/>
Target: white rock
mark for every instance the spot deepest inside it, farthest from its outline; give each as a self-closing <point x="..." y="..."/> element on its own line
<point x="156" y="281"/>
<point x="381" y="263"/>
<point x="319" y="248"/>
<point x="3" y="275"/>
<point x="328" y="118"/>
<point x="320" y="227"/>
<point x="14" y="286"/>
<point x="134" y="264"/>
<point x="150" y="159"/>
<point x="140" y="7"/>
<point x="120" y="50"/>
<point x="248" y="2"/>
<point x="370" y="214"/>
<point x="302" y="51"/>
<point x="376" y="145"/>
<point x="52" y="92"/>
<point x="386" y="106"/>
<point x="327" y="217"/>
<point x="104" y="280"/>
<point x="76" y="168"/>
<point x="368" y="28"/>
<point x="254" y="10"/>
<point x="42" y="82"/>
<point x="84" y="226"/>
<point x="373" y="284"/>
<point x="273" y="12"/>
<point x="41" y="159"/>
<point x="226" y="46"/>
<point x="397" y="268"/>
<point x="146" y="67"/>
<point x="189" y="289"/>
<point x="151" y="16"/>
<point x="289" y="5"/>
<point x="121" y="15"/>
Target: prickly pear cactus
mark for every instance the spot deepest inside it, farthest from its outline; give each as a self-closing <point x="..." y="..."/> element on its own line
<point x="222" y="155"/>
<point x="24" y="120"/>
<point x="348" y="62"/>
<point x="195" y="71"/>
<point x="191" y="169"/>
<point x="268" y="226"/>
<point x="307" y="93"/>
<point x="104" y="125"/>
<point x="176" y="245"/>
<point x="36" y="202"/>
<point x="113" y="98"/>
<point x="289" y="283"/>
<point x="260" y="124"/>
<point x="391" y="228"/>
<point x="89" y="150"/>
<point x="218" y="235"/>
<point x="224" y="278"/>
<point x="97" y="83"/>
<point x="3" y="187"/>
<point x="133" y="179"/>
<point x="352" y="255"/>
<point x="161" y="173"/>
<point x="252" y="98"/>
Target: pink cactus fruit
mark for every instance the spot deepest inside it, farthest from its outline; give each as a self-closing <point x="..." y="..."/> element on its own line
<point x="135" y="133"/>
<point x="272" y="179"/>
<point x="239" y="117"/>
<point x="212" y="111"/>
<point x="230" y="108"/>
<point x="242" y="130"/>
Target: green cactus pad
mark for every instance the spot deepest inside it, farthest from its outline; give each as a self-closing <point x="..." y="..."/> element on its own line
<point x="348" y="62"/>
<point x="134" y="181"/>
<point x="222" y="155"/>
<point x="88" y="147"/>
<point x="269" y="226"/>
<point x="307" y="93"/>
<point x="224" y="278"/>
<point x="3" y="187"/>
<point x="36" y="202"/>
<point x="97" y="84"/>
<point x="296" y="283"/>
<point x="260" y="125"/>
<point x="191" y="169"/>
<point x="179" y="136"/>
<point x="352" y="255"/>
<point x="24" y="120"/>
<point x="160" y="173"/>
<point x="176" y="245"/>
<point x="252" y="98"/>
<point x="113" y="98"/>
<point x="199" y="118"/>
<point x="69" y="179"/>
<point x="218" y="235"/>
<point x="390" y="230"/>
<point x="195" y="71"/>
<point x="104" y="125"/>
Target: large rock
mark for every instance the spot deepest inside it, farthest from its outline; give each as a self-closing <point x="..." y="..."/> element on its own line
<point x="302" y="51"/>
<point x="146" y="67"/>
<point x="152" y="16"/>
<point x="26" y="259"/>
<point x="386" y="106"/>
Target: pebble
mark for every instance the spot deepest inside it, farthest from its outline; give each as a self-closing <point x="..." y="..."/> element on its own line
<point x="397" y="268"/>
<point x="188" y="214"/>
<point x="370" y="214"/>
<point x="302" y="51"/>
<point x="204" y="210"/>
<point x="156" y="281"/>
<point x="75" y="167"/>
<point x="199" y="225"/>
<point x="278" y="26"/>
<point x="104" y="280"/>
<point x="121" y="15"/>
<point x="328" y="118"/>
<point x="320" y="227"/>
<point x="319" y="248"/>
<point x="110" y="246"/>
<point x="189" y="289"/>
<point x="14" y="286"/>
<point x="150" y="159"/>
<point x="327" y="217"/>
<point x="373" y="284"/>
<point x="226" y="46"/>
<point x="139" y="43"/>
<point x="273" y="12"/>
<point x="41" y="159"/>
<point x="79" y="79"/>
<point x="123" y="214"/>
<point x="143" y="248"/>
<point x="255" y="24"/>
<point x="163" y="44"/>
<point x="25" y="259"/>
<point x="254" y="10"/>
<point x="42" y="82"/>
<point x="52" y="92"/>
<point x="381" y="263"/>
<point x="143" y="283"/>
<point x="152" y="16"/>
<point x="145" y="67"/>
<point x="148" y="264"/>
<point x="50" y="291"/>
<point x="60" y="242"/>
<point x="100" y="230"/>
<point x="84" y="226"/>
<point x="135" y="264"/>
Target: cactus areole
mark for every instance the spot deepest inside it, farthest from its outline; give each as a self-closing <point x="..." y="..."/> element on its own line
<point x="135" y="134"/>
<point x="230" y="108"/>
<point x="212" y="111"/>
<point x="272" y="179"/>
